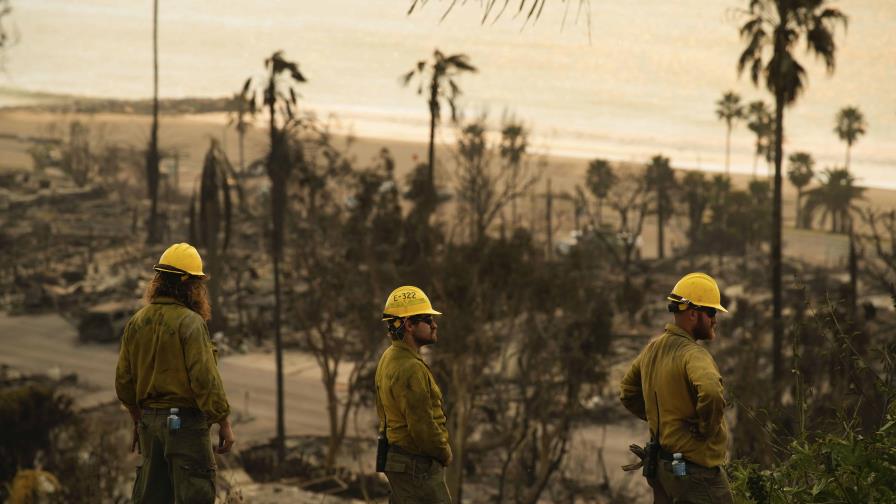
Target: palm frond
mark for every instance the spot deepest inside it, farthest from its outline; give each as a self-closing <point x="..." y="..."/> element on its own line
<point x="820" y="40"/>
<point x="406" y="78"/>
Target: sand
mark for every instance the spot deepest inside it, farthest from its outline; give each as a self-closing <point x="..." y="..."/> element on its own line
<point x="190" y="136"/>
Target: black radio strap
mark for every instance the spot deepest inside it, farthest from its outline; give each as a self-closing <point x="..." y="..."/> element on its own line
<point x="382" y="409"/>
<point x="658" y="425"/>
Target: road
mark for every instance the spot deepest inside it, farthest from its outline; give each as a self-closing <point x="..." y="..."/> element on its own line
<point x="49" y="344"/>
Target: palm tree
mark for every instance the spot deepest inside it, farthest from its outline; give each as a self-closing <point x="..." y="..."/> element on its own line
<point x="661" y="178"/>
<point x="278" y="94"/>
<point x="729" y="109"/>
<point x="531" y="8"/>
<point x="759" y="121"/>
<point x="152" y="152"/>
<point x="800" y="174"/>
<point x="849" y="127"/>
<point x="772" y="31"/>
<point x="834" y="198"/>
<point x="599" y="180"/>
<point x="439" y="74"/>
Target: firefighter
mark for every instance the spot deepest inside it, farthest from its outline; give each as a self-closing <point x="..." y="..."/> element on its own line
<point x="168" y="379"/>
<point x="409" y="403"/>
<point x="675" y="385"/>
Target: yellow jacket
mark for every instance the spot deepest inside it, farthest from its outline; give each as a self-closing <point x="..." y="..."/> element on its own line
<point x="412" y="402"/>
<point x="680" y="376"/>
<point x="167" y="360"/>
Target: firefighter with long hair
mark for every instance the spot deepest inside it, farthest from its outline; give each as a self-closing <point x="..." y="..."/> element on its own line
<point x="167" y="377"/>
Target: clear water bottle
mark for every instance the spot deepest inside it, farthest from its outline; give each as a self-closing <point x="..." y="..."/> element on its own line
<point x="678" y="465"/>
<point x="173" y="420"/>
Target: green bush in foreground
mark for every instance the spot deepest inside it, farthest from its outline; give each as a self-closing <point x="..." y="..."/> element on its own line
<point x="836" y="468"/>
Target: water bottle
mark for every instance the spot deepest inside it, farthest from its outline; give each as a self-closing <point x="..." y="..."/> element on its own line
<point x="678" y="465"/>
<point x="173" y="420"/>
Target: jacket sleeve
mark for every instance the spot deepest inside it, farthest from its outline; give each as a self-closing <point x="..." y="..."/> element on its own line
<point x="125" y="387"/>
<point x="202" y="371"/>
<point x="630" y="392"/>
<point x="706" y="380"/>
<point x="417" y="407"/>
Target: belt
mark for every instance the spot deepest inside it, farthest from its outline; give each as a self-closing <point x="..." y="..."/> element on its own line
<point x="167" y="411"/>
<point x="406" y="453"/>
<point x="664" y="455"/>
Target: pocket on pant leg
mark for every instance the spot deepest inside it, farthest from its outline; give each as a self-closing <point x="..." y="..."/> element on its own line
<point x="195" y="484"/>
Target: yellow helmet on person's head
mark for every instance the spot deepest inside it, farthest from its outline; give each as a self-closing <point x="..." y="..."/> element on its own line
<point x="698" y="289"/>
<point x="407" y="301"/>
<point x="181" y="258"/>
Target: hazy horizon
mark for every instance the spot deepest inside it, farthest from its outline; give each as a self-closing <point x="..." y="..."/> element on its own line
<point x="646" y="82"/>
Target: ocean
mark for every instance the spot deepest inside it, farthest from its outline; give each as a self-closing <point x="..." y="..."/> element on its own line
<point x="624" y="81"/>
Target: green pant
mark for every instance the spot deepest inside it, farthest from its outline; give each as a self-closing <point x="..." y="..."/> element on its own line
<point x="701" y="485"/>
<point x="415" y="480"/>
<point x="177" y="466"/>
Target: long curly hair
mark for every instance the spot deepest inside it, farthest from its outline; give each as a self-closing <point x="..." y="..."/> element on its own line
<point x="192" y="292"/>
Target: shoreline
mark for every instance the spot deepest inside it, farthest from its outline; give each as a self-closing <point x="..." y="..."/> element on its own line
<point x="189" y="135"/>
<point x="389" y="129"/>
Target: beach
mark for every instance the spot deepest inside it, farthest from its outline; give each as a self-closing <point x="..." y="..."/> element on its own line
<point x="190" y="136"/>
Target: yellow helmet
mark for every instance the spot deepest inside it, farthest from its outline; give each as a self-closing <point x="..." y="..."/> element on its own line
<point x="697" y="289"/>
<point x="407" y="301"/>
<point x="181" y="258"/>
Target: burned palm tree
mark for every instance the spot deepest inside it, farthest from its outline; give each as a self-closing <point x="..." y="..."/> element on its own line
<point x="211" y="226"/>
<point x="439" y="75"/>
<point x="772" y="31"/>
<point x="277" y="93"/>
<point x="152" y="152"/>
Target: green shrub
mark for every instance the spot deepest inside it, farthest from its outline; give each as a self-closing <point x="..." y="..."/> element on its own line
<point x="844" y="467"/>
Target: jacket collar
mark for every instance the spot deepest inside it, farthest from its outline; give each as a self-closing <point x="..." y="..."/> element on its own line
<point x="677" y="331"/>
<point x="404" y="347"/>
<point x="166" y="300"/>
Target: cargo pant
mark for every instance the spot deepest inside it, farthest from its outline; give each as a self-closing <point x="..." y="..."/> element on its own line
<point x="701" y="485"/>
<point x="177" y="466"/>
<point x="415" y="479"/>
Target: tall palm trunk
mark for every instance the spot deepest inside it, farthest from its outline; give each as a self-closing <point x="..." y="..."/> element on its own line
<point x="848" y="146"/>
<point x="661" y="219"/>
<point x="433" y="110"/>
<point x="778" y="325"/>
<point x="152" y="154"/>
<point x="799" y="199"/>
<point x="728" y="151"/>
<point x="278" y="203"/>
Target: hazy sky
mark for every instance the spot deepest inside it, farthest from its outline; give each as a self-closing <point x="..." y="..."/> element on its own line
<point x="643" y="79"/>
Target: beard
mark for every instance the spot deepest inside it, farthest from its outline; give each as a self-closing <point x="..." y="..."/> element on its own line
<point x="424" y="339"/>
<point x="704" y="330"/>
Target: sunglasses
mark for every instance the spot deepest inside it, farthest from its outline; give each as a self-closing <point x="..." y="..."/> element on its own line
<point x="428" y="320"/>
<point x="710" y="312"/>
